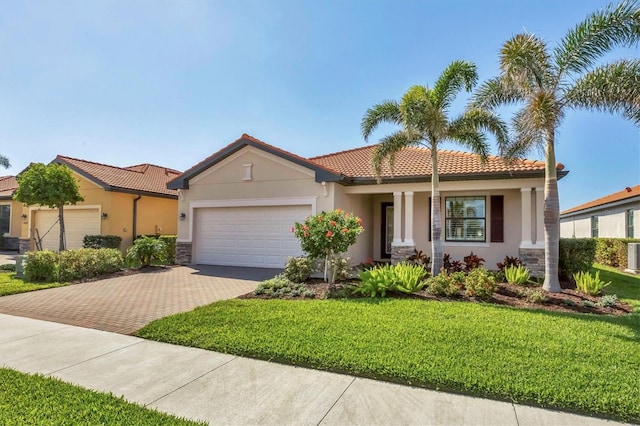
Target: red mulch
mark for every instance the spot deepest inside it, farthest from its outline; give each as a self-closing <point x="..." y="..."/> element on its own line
<point x="569" y="300"/>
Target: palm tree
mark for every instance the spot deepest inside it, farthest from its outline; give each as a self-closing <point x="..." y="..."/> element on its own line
<point x="548" y="83"/>
<point x="4" y="162"/>
<point x="422" y="115"/>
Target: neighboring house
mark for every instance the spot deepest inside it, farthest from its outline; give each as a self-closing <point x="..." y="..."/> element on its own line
<point x="10" y="214"/>
<point x="616" y="215"/>
<point x="123" y="201"/>
<point x="238" y="205"/>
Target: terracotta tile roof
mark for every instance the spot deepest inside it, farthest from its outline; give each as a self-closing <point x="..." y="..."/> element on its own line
<point x="8" y="184"/>
<point x="142" y="177"/>
<point x="417" y="162"/>
<point x="629" y="192"/>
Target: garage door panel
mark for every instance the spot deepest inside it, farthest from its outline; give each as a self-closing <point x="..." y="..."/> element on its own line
<point x="77" y="223"/>
<point x="247" y="236"/>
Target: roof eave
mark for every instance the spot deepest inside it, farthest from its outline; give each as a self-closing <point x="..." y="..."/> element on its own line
<point x="453" y="177"/>
<point x="137" y="192"/>
<point x="610" y="204"/>
<point x="82" y="173"/>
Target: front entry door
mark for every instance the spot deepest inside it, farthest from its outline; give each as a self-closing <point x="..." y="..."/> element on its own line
<point x="386" y="235"/>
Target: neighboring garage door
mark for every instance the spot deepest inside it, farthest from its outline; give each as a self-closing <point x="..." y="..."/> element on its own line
<point x="77" y="224"/>
<point x="247" y="236"/>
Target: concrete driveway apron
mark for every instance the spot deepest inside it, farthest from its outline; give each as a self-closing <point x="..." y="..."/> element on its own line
<point x="125" y="304"/>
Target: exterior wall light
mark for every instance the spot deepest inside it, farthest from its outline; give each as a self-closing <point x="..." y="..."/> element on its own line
<point x="183" y="216"/>
<point x="24" y="216"/>
<point x="104" y="215"/>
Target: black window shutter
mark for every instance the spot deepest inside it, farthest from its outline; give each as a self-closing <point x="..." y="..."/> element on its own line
<point x="497" y="219"/>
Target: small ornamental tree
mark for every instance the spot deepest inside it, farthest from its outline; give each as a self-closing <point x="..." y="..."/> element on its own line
<point x="326" y="235"/>
<point x="52" y="185"/>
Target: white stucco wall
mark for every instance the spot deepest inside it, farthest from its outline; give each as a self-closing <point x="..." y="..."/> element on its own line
<point x="611" y="221"/>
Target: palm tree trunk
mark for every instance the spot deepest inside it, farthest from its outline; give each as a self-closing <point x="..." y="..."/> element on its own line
<point x="436" y="221"/>
<point x="551" y="219"/>
<point x="61" y="220"/>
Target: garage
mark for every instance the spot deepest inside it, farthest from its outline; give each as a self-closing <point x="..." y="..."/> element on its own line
<point x="247" y="236"/>
<point x="77" y="223"/>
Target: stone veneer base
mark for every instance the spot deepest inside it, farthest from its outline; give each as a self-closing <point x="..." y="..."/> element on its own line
<point x="183" y="253"/>
<point x="24" y="246"/>
<point x="533" y="259"/>
<point x="400" y="253"/>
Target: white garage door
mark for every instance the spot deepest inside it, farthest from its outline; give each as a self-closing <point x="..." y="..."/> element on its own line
<point x="77" y="224"/>
<point x="247" y="236"/>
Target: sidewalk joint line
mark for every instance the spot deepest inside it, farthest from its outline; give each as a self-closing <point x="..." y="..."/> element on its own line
<point x="515" y="412"/>
<point x="190" y="381"/>
<point x="336" y="401"/>
<point x="92" y="358"/>
<point x="34" y="335"/>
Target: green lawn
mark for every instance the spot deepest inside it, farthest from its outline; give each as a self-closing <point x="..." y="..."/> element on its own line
<point x="38" y="400"/>
<point x="583" y="363"/>
<point x="626" y="286"/>
<point x="9" y="284"/>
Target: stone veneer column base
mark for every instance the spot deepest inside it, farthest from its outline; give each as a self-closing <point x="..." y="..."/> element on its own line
<point x="24" y="246"/>
<point x="533" y="259"/>
<point x="183" y="253"/>
<point x="400" y="253"/>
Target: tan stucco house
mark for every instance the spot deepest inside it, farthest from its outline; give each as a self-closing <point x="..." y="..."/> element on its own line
<point x="123" y="201"/>
<point x="10" y="214"/>
<point x="238" y="205"/>
<point x="615" y="215"/>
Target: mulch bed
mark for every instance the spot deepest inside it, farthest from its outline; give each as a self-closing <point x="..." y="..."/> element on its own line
<point x="569" y="300"/>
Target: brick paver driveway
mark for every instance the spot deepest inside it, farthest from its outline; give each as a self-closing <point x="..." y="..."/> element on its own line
<point x="125" y="304"/>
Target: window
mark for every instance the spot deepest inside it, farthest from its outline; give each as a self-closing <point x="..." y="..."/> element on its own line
<point x="5" y="219"/>
<point x="594" y="226"/>
<point x="629" y="223"/>
<point x="465" y="219"/>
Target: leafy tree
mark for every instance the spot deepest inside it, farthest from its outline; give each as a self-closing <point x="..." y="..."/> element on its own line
<point x="4" y="162"/>
<point x="51" y="185"/>
<point x="327" y="235"/>
<point x="423" y="117"/>
<point x="549" y="82"/>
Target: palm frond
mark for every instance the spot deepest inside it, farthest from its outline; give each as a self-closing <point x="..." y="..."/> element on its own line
<point x="4" y="162"/>
<point x="525" y="63"/>
<point x="458" y="75"/>
<point x="385" y="112"/>
<point x="613" y="88"/>
<point x="526" y="136"/>
<point x="598" y="34"/>
<point x="388" y="148"/>
<point x="471" y="127"/>
<point x="493" y="93"/>
<point x="420" y="115"/>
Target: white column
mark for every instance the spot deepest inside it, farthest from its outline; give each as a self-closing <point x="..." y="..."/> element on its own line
<point x="525" y="195"/>
<point x="397" y="218"/>
<point x="539" y="217"/>
<point x="408" y="218"/>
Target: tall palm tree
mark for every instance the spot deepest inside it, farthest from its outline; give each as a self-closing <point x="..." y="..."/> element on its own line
<point x="423" y="117"/>
<point x="549" y="82"/>
<point x="4" y="162"/>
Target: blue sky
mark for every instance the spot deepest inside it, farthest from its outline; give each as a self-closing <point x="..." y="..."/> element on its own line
<point x="171" y="82"/>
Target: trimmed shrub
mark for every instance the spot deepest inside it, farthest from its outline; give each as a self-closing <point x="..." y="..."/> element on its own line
<point x="299" y="269"/>
<point x="41" y="266"/>
<point x="480" y="284"/>
<point x="444" y="284"/>
<point x="613" y="251"/>
<point x="101" y="241"/>
<point x="170" y="251"/>
<point x="576" y="255"/>
<point x="145" y="251"/>
<point x="88" y="263"/>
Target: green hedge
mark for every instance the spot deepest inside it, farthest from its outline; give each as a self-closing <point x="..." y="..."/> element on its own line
<point x="101" y="241"/>
<point x="613" y="251"/>
<point x="70" y="265"/>
<point x="576" y="255"/>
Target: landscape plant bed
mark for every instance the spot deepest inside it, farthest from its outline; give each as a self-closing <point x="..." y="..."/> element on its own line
<point x="569" y="300"/>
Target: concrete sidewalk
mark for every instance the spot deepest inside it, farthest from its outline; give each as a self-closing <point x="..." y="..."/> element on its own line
<point x="227" y="389"/>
